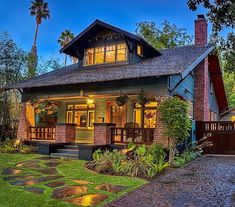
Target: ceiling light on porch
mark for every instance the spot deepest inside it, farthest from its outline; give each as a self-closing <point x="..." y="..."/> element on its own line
<point x="90" y="101"/>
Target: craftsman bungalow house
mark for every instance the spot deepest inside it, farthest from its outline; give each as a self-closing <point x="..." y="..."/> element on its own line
<point x="112" y="62"/>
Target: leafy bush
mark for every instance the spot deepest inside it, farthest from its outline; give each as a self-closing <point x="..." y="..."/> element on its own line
<point x="13" y="146"/>
<point x="134" y="161"/>
<point x="185" y="157"/>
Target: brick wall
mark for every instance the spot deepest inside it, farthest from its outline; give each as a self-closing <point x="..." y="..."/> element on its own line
<point x="201" y="99"/>
<point x="102" y="133"/>
<point x="22" y="132"/>
<point x="65" y="133"/>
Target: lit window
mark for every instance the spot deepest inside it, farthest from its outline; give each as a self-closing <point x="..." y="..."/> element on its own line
<point x="83" y="115"/>
<point x="69" y="117"/>
<point x="99" y="55"/>
<point x="121" y="52"/>
<point x="110" y="54"/>
<point x="140" y="50"/>
<point x="89" y="57"/>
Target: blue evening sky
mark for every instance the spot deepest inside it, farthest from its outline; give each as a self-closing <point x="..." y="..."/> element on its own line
<point x="76" y="15"/>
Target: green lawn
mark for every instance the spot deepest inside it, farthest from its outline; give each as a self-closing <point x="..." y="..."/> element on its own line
<point x="16" y="196"/>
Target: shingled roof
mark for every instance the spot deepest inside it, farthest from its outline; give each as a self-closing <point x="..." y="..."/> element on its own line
<point x="172" y="61"/>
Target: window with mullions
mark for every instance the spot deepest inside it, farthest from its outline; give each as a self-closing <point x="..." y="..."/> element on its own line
<point x="106" y="54"/>
<point x="82" y="115"/>
<point x="145" y="116"/>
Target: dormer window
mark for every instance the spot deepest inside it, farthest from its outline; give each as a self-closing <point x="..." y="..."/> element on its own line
<point x="140" y="50"/>
<point x="106" y="54"/>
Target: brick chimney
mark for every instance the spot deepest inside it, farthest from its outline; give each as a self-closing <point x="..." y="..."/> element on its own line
<point x="200" y="31"/>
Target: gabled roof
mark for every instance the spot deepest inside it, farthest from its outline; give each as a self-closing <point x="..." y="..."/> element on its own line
<point x="172" y="61"/>
<point x="72" y="48"/>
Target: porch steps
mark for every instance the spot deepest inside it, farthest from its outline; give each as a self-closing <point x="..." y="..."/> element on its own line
<point x="68" y="151"/>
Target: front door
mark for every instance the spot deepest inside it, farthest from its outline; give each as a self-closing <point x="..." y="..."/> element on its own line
<point x="117" y="114"/>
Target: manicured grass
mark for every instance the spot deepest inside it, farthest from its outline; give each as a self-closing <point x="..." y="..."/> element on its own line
<point x="16" y="196"/>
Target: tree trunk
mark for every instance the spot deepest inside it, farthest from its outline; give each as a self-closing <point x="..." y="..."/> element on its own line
<point x="35" y="35"/>
<point x="65" y="60"/>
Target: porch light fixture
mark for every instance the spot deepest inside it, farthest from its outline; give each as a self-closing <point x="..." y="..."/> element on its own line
<point x="90" y="101"/>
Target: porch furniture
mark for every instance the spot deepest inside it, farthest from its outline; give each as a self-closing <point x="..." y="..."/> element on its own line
<point x="129" y="133"/>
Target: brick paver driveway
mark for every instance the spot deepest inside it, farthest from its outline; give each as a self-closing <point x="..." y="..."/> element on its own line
<point x="205" y="182"/>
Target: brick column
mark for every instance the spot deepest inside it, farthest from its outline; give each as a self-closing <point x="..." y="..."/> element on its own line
<point x="201" y="100"/>
<point x="102" y="133"/>
<point x="65" y="133"/>
<point x="22" y="132"/>
<point x="159" y="136"/>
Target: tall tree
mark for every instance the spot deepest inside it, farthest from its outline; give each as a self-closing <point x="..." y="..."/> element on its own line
<point x="65" y="37"/>
<point x="168" y="35"/>
<point x="40" y="10"/>
<point x="12" y="69"/>
<point x="220" y="12"/>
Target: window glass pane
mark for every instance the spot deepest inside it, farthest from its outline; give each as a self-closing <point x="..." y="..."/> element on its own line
<point x="151" y="104"/>
<point x="70" y="107"/>
<point x="121" y="52"/>
<point x="99" y="55"/>
<point x="89" y="56"/>
<point x="80" y="106"/>
<point x="140" y="50"/>
<point x="81" y="118"/>
<point x="69" y="118"/>
<point x="137" y="116"/>
<point x="91" y="119"/>
<point x="150" y="118"/>
<point x="110" y="54"/>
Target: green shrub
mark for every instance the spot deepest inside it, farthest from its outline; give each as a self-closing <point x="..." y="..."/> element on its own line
<point x="134" y="161"/>
<point x="185" y="157"/>
<point x="14" y="146"/>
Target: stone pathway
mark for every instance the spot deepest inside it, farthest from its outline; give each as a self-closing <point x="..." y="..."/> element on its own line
<point x="43" y="170"/>
<point x="205" y="182"/>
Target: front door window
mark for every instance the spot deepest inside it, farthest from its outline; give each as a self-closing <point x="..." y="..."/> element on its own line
<point x="118" y="115"/>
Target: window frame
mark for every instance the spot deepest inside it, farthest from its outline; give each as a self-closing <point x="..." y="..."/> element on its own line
<point x="87" y="110"/>
<point x="104" y="59"/>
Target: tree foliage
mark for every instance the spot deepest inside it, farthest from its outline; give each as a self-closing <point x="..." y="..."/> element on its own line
<point x="166" y="36"/>
<point x="220" y="12"/>
<point x="174" y="115"/>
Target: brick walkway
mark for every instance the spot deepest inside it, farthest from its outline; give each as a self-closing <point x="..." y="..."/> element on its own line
<point x="205" y="182"/>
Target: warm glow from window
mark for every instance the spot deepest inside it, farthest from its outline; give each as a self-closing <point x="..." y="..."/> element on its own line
<point x="69" y="117"/>
<point x="121" y="52"/>
<point x="99" y="55"/>
<point x="107" y="54"/>
<point x="140" y="50"/>
<point x="89" y="57"/>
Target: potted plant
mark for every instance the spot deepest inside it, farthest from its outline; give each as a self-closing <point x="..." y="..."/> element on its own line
<point x="121" y="100"/>
<point x="142" y="99"/>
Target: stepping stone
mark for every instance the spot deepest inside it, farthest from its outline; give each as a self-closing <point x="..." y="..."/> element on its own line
<point x="82" y="182"/>
<point x="49" y="178"/>
<point x="67" y="191"/>
<point x="27" y="182"/>
<point x="55" y="184"/>
<point x="48" y="171"/>
<point x="111" y="188"/>
<point x="52" y="164"/>
<point x="10" y="178"/>
<point x="29" y="163"/>
<point x="88" y="200"/>
<point x="35" y="190"/>
<point x="11" y="171"/>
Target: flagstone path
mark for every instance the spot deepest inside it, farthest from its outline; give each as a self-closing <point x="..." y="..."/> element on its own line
<point x="43" y="170"/>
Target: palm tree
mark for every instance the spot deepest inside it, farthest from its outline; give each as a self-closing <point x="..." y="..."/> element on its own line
<point x="40" y="10"/>
<point x="65" y="37"/>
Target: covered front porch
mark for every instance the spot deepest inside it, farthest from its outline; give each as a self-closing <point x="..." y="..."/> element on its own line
<point x="91" y="120"/>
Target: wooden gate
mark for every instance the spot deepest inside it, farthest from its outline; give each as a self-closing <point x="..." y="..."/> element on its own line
<point x="222" y="136"/>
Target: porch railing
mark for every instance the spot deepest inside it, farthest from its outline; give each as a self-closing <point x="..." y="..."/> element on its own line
<point x="135" y="135"/>
<point x="42" y="133"/>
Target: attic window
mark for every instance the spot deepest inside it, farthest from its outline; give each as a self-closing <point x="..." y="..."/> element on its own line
<point x="106" y="54"/>
<point x="140" y="51"/>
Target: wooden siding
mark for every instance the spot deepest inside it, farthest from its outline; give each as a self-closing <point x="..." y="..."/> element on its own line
<point x="185" y="89"/>
<point x="212" y="100"/>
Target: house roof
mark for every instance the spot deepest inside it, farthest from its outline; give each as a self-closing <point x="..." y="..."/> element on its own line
<point x="172" y="61"/>
<point x="72" y="48"/>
